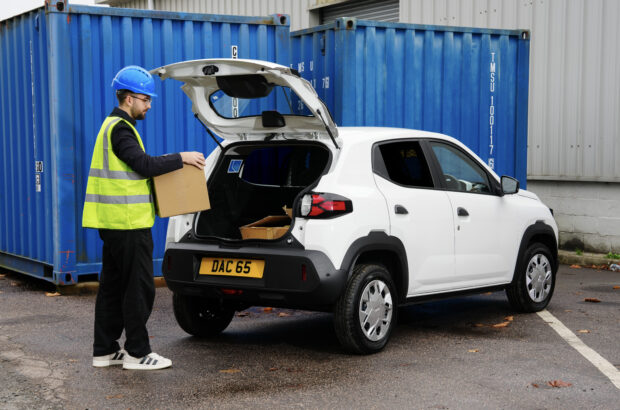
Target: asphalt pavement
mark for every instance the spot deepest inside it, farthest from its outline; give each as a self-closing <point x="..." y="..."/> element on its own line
<point x="465" y="353"/>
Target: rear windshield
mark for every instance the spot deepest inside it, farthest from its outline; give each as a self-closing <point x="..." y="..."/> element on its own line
<point x="281" y="99"/>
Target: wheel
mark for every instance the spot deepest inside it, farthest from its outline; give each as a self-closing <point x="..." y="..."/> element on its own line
<point x="534" y="280"/>
<point x="201" y="317"/>
<point x="365" y="314"/>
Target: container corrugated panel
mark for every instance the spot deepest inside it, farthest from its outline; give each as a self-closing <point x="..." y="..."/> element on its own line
<point x="471" y="84"/>
<point x="56" y="68"/>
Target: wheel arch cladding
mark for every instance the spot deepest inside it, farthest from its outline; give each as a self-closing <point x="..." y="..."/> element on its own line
<point x="542" y="233"/>
<point x="378" y="247"/>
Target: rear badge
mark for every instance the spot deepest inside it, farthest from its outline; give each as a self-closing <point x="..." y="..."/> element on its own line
<point x="234" y="166"/>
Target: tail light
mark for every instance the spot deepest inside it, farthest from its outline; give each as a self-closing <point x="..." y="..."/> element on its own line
<point x="325" y="205"/>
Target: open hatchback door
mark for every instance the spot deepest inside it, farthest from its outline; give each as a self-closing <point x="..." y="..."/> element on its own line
<point x="252" y="99"/>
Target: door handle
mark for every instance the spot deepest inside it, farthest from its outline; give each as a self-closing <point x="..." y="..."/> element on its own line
<point x="400" y="210"/>
<point x="462" y="211"/>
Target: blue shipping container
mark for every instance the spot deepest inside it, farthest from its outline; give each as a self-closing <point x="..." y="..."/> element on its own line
<point x="471" y="84"/>
<point x="56" y="67"/>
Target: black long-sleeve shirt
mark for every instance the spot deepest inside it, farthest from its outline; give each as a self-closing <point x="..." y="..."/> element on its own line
<point x="126" y="147"/>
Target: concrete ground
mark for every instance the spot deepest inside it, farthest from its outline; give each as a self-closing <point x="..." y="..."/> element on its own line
<point x="469" y="352"/>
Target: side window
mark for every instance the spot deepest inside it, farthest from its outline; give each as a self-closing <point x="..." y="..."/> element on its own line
<point x="403" y="162"/>
<point x="460" y="172"/>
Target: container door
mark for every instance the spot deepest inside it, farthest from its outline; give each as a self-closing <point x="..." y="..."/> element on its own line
<point x="420" y="215"/>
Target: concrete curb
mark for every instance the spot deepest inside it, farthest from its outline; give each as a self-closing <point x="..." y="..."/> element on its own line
<point x="585" y="259"/>
<point x="90" y="288"/>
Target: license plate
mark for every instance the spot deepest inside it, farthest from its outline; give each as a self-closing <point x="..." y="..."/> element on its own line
<point x="244" y="268"/>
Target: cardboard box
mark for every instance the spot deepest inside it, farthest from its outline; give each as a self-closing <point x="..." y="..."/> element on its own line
<point x="179" y="192"/>
<point x="270" y="227"/>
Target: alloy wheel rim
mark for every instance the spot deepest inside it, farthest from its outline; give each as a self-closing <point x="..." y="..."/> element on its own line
<point x="375" y="310"/>
<point x="538" y="278"/>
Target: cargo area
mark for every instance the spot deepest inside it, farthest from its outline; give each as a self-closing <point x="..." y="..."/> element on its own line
<point x="253" y="188"/>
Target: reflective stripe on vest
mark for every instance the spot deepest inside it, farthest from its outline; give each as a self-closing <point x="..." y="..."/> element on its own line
<point x="106" y="173"/>
<point x="116" y="196"/>
<point x="118" y="199"/>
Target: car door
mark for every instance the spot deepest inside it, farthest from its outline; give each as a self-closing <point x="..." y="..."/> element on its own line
<point x="485" y="234"/>
<point x="420" y="215"/>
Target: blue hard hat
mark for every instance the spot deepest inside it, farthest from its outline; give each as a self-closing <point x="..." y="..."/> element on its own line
<point x="135" y="78"/>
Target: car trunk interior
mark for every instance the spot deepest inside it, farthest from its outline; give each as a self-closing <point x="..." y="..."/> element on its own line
<point x="253" y="181"/>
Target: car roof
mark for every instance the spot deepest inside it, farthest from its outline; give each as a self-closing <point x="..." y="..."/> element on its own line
<point x="388" y="133"/>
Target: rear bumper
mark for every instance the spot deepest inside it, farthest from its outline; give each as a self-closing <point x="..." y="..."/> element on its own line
<point x="283" y="283"/>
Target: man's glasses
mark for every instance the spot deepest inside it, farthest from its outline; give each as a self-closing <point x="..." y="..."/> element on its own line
<point x="145" y="99"/>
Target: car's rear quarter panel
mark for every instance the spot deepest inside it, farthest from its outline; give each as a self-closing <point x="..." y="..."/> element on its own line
<point x="352" y="177"/>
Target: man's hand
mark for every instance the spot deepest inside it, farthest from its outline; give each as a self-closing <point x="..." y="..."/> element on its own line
<point x="193" y="158"/>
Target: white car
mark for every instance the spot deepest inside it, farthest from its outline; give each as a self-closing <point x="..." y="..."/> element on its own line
<point x="380" y="217"/>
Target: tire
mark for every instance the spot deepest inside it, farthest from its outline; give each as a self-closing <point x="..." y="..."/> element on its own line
<point x="201" y="317"/>
<point x="534" y="280"/>
<point x="357" y="330"/>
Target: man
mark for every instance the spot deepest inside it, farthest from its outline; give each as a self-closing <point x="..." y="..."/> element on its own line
<point x="119" y="202"/>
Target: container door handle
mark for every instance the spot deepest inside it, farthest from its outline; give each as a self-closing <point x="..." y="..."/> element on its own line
<point x="400" y="210"/>
<point x="462" y="211"/>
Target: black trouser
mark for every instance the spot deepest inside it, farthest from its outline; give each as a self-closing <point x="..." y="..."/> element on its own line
<point x="126" y="292"/>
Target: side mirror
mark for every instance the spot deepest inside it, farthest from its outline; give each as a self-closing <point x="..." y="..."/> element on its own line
<point x="509" y="185"/>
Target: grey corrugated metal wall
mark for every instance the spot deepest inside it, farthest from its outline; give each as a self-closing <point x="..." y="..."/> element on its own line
<point x="574" y="131"/>
<point x="296" y="9"/>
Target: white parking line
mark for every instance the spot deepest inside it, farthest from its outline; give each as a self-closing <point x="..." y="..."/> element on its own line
<point x="596" y="359"/>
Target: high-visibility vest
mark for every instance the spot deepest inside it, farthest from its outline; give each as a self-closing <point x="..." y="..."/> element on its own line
<point x="117" y="197"/>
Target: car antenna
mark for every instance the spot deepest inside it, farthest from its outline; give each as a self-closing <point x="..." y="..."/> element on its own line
<point x="209" y="131"/>
<point x="328" y="130"/>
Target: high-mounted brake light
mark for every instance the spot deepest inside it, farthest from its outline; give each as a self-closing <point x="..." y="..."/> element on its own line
<point x="325" y="205"/>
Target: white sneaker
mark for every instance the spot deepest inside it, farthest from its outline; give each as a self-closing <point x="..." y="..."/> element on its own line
<point x="151" y="361"/>
<point x="109" y="359"/>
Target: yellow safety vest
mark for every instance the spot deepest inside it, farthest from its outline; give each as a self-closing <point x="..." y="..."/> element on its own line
<point x="117" y="197"/>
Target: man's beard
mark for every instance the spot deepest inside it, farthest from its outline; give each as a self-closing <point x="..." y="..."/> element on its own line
<point x="138" y="115"/>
